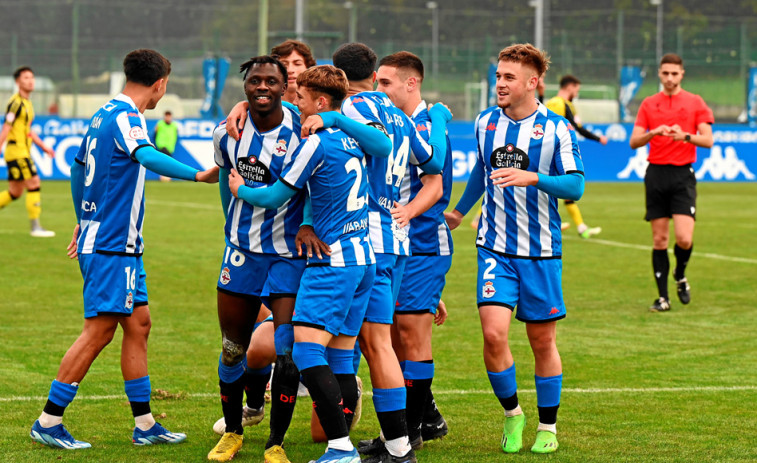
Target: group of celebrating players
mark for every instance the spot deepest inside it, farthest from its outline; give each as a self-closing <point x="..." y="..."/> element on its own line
<point x="335" y="218"/>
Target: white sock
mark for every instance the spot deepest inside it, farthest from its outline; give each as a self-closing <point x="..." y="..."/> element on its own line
<point x="48" y="421"/>
<point x="582" y="228"/>
<point x="547" y="427"/>
<point x="343" y="443"/>
<point x="399" y="446"/>
<point x="144" y="422"/>
<point x="514" y="412"/>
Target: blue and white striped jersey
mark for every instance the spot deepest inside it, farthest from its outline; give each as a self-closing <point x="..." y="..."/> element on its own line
<point x="259" y="158"/>
<point x="523" y="221"/>
<point x="385" y="175"/>
<point x="332" y="166"/>
<point x="429" y="233"/>
<point x="113" y="203"/>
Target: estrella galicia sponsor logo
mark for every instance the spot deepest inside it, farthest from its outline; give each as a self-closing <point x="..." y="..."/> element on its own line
<point x="251" y="168"/>
<point x="509" y="156"/>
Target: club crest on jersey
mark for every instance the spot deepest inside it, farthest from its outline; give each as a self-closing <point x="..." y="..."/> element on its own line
<point x="129" y="300"/>
<point x="281" y="148"/>
<point x="537" y="133"/>
<point x="251" y="168"/>
<point x="225" y="277"/>
<point x="509" y="156"/>
<point x="488" y="290"/>
<point x="136" y="133"/>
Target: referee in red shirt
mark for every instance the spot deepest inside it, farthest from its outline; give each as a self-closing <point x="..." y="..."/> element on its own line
<point x="674" y="122"/>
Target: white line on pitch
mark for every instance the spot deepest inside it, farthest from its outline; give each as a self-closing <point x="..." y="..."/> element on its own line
<point x="618" y="244"/>
<point x="609" y="390"/>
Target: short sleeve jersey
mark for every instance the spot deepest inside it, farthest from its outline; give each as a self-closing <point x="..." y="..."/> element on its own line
<point x="685" y="109"/>
<point x="332" y="166"/>
<point x="429" y="233"/>
<point x="385" y="175"/>
<point x="259" y="157"/>
<point x="523" y="221"/>
<point x="113" y="201"/>
<point x="19" y="114"/>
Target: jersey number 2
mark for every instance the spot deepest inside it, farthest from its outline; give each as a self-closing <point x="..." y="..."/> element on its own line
<point x="355" y="202"/>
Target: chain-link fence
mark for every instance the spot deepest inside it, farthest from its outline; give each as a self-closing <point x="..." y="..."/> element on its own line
<point x="76" y="43"/>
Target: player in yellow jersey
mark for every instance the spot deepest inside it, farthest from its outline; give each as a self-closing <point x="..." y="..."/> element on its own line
<point x="562" y="104"/>
<point x="22" y="173"/>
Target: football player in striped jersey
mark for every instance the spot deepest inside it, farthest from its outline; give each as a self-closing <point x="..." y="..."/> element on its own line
<point x="528" y="157"/>
<point x="336" y="285"/>
<point x="107" y="187"/>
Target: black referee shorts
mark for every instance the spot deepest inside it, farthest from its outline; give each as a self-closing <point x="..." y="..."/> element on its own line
<point x="670" y="190"/>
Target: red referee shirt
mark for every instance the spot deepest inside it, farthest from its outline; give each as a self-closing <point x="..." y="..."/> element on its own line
<point x="685" y="109"/>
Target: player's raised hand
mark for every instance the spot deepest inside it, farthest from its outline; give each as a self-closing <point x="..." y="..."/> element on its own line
<point x="207" y="176"/>
<point x="236" y="119"/>
<point x="71" y="249"/>
<point x="441" y="109"/>
<point x="401" y="214"/>
<point x="311" y="124"/>
<point x="510" y="176"/>
<point x="307" y="238"/>
<point x="235" y="181"/>
<point x="454" y="219"/>
<point x="441" y="313"/>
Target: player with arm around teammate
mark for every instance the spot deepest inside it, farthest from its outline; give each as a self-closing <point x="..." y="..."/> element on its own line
<point x="389" y="239"/>
<point x="527" y="159"/>
<point x="107" y="185"/>
<point x="260" y="263"/>
<point x="400" y="76"/>
<point x="335" y="287"/>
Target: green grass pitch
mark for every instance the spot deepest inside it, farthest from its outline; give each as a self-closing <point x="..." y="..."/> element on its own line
<point x="638" y="386"/>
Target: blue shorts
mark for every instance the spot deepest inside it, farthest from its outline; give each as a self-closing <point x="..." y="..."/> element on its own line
<point x="334" y="298"/>
<point x="113" y="285"/>
<point x="386" y="288"/>
<point x="534" y="286"/>
<point x="267" y="276"/>
<point x="422" y="284"/>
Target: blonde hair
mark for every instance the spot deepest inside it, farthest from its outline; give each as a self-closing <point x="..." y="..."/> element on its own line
<point x="527" y="55"/>
<point x="325" y="79"/>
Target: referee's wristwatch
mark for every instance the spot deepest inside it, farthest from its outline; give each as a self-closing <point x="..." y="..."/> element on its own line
<point x="687" y="138"/>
